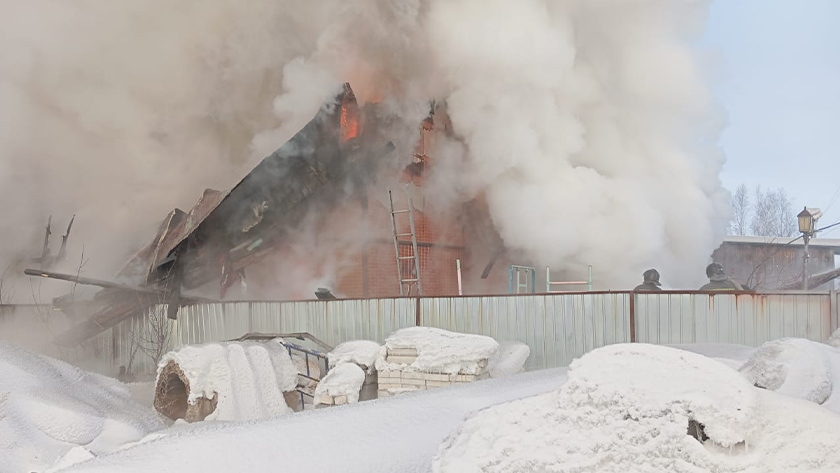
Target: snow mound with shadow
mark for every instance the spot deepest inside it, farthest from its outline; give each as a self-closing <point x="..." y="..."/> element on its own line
<point x="646" y="408"/>
<point x="798" y="368"/>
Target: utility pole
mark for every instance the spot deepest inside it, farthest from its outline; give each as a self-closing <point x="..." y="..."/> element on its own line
<point x="806" y="237"/>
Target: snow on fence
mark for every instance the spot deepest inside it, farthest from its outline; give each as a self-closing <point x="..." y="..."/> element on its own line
<point x="556" y="327"/>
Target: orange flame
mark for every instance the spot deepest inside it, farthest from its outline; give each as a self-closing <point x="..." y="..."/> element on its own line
<point x="349" y="122"/>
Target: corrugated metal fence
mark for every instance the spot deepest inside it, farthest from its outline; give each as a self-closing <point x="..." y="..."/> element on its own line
<point x="331" y="321"/>
<point x="557" y="327"/>
<point x="746" y="319"/>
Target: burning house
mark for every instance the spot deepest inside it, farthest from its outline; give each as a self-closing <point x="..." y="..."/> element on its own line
<point x="319" y="207"/>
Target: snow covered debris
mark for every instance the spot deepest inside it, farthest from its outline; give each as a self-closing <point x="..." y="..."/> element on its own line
<point x="225" y="381"/>
<point x="52" y="412"/>
<point x="397" y="435"/>
<point x="632" y="408"/>
<point x="437" y="351"/>
<point x="341" y="385"/>
<point x="509" y="360"/>
<point x="360" y="352"/>
<point x="799" y="368"/>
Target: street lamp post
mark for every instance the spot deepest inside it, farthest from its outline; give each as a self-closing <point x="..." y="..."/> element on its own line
<point x="806" y="226"/>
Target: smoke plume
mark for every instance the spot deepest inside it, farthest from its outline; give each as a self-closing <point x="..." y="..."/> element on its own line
<point x="585" y="123"/>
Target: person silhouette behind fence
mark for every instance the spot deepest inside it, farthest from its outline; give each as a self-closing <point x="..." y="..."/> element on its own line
<point x="651" y="282"/>
<point x="718" y="280"/>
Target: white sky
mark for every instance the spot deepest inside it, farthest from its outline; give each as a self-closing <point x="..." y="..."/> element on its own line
<point x="779" y="81"/>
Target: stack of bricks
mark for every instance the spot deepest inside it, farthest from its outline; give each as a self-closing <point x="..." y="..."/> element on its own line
<point x="396" y="381"/>
<point x="325" y="400"/>
<point x="366" y="393"/>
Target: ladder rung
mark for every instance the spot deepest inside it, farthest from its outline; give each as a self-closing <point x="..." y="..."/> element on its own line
<point x="406" y="257"/>
<point x="400" y="212"/>
<point x="409" y="280"/>
<point x="405" y="242"/>
<point x="403" y="234"/>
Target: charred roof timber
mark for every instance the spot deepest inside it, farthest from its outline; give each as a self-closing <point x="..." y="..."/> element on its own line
<point x="47" y="260"/>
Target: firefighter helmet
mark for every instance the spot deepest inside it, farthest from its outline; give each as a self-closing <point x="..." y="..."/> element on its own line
<point x="715" y="270"/>
<point x="652" y="276"/>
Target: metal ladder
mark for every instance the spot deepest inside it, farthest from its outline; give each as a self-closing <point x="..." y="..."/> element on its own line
<point x="414" y="278"/>
<point x="515" y="284"/>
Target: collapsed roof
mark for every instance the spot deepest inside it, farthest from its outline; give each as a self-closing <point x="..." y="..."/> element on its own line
<point x="326" y="161"/>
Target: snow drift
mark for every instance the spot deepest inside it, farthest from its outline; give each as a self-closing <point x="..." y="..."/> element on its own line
<point x="225" y="381"/>
<point x="646" y="408"/>
<point x="51" y="411"/>
<point x="438" y="351"/>
<point x="799" y="368"/>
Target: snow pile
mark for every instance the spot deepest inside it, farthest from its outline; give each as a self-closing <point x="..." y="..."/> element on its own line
<point x="509" y="360"/>
<point x="245" y="380"/>
<point x="799" y="368"/>
<point x="51" y="412"/>
<point x="341" y="385"/>
<point x="632" y="407"/>
<point x="398" y="435"/>
<point x="360" y="352"/>
<point x="437" y="351"/>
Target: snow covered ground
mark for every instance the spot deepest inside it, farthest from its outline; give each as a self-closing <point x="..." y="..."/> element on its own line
<point x="395" y="435"/>
<point x="624" y="408"/>
<point x="52" y="412"/>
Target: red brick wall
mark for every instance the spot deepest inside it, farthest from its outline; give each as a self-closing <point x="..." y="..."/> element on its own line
<point x="440" y="243"/>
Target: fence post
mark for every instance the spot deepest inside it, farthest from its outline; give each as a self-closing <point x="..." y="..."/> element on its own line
<point x="418" y="318"/>
<point x="632" y="317"/>
<point x="510" y="281"/>
<point x="834" y="310"/>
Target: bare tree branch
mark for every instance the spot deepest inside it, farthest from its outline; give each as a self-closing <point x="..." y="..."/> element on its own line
<point x="154" y="335"/>
<point x="82" y="264"/>
<point x="772" y="213"/>
<point x="740" y="211"/>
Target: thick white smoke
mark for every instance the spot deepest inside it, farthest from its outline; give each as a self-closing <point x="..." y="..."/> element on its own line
<point x="586" y="123"/>
<point x="589" y="128"/>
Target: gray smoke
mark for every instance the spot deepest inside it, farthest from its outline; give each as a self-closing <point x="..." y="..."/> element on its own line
<point x="586" y="124"/>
